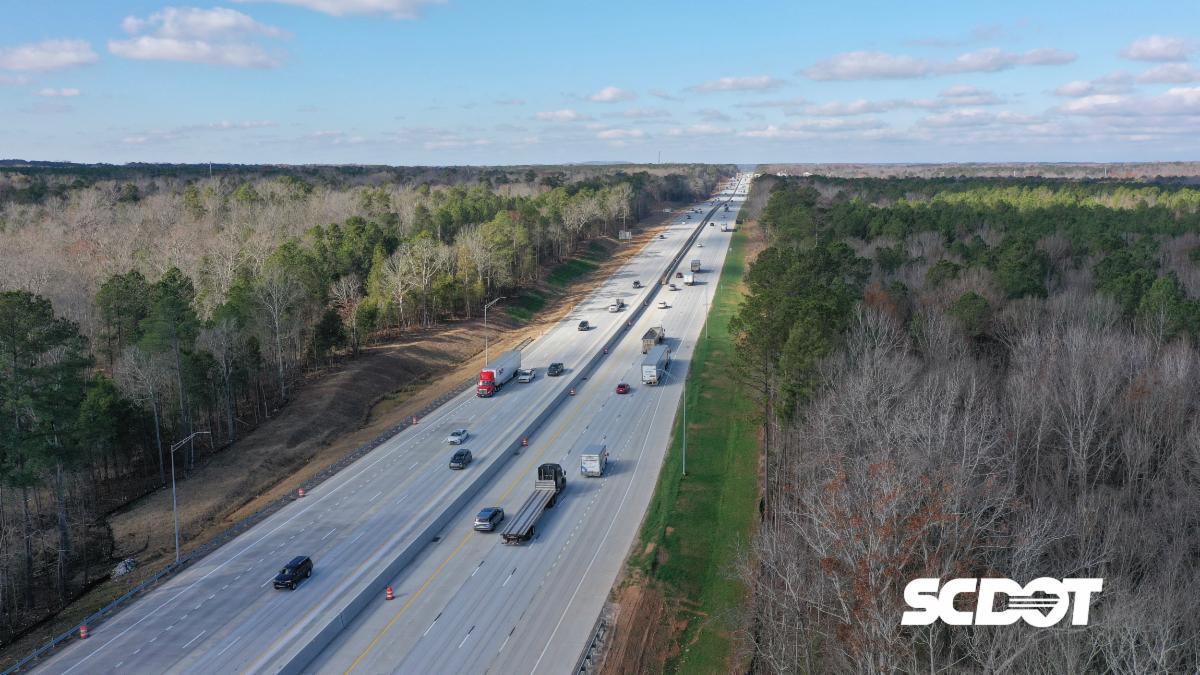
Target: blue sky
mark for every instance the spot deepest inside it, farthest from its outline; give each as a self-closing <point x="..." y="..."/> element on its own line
<point x="477" y="82"/>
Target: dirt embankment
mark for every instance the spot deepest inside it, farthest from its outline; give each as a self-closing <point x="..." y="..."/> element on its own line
<point x="329" y="416"/>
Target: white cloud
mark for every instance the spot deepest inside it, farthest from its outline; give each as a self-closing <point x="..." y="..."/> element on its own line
<point x="1113" y="83"/>
<point x="64" y="92"/>
<point x="215" y="36"/>
<point x="564" y="115"/>
<point x="698" y="130"/>
<point x="751" y="83"/>
<point x="397" y="9"/>
<point x="665" y="95"/>
<point x="646" y="113"/>
<point x="47" y="55"/>
<point x="817" y="128"/>
<point x="1159" y="48"/>
<point x="186" y="23"/>
<point x="617" y="134"/>
<point x="160" y="136"/>
<point x="973" y="117"/>
<point x="778" y="103"/>
<point x="13" y="80"/>
<point x="1174" y="101"/>
<point x="511" y="101"/>
<point x="612" y="95"/>
<point x="958" y="95"/>
<point x="864" y="65"/>
<point x="1173" y="73"/>
<point x="965" y="94"/>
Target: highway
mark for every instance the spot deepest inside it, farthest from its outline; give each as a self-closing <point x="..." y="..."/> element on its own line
<point x="472" y="604"/>
<point x="400" y="503"/>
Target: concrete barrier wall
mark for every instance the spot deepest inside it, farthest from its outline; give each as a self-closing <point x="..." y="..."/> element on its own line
<point x="294" y="658"/>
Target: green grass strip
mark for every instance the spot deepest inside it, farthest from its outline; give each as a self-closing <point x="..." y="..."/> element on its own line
<point x="699" y="521"/>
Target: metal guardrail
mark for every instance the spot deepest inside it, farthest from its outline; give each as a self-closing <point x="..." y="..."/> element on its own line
<point x="225" y="536"/>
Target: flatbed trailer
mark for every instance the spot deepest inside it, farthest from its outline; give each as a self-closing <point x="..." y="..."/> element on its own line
<point x="550" y="482"/>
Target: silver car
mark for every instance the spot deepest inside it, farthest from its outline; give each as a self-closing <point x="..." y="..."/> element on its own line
<point x="457" y="437"/>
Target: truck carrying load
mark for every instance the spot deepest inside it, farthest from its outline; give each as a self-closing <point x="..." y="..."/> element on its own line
<point x="689" y="279"/>
<point x="652" y="337"/>
<point x="656" y="364"/>
<point x="495" y="374"/>
<point x="593" y="460"/>
<point x="695" y="266"/>
<point x="549" y="483"/>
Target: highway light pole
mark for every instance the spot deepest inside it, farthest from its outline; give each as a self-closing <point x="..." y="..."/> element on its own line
<point x="174" y="503"/>
<point x="485" y="331"/>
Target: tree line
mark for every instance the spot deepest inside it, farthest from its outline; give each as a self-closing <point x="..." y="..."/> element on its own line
<point x="101" y="374"/>
<point x="988" y="390"/>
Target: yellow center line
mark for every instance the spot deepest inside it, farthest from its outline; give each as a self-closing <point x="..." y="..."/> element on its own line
<point x="562" y="428"/>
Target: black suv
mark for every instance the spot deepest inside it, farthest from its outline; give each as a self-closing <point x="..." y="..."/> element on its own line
<point x="487" y="519"/>
<point x="299" y="569"/>
<point x="584" y="325"/>
<point x="555" y="369"/>
<point x="460" y="459"/>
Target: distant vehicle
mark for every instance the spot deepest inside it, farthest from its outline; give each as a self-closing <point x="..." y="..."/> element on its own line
<point x="726" y="207"/>
<point x="711" y="224"/>
<point x="662" y="236"/>
<point x="617" y="305"/>
<point x="593" y="460"/>
<point x="584" y="325"/>
<point x="555" y="369"/>
<point x="495" y="374"/>
<point x="457" y="436"/>
<point x="678" y="275"/>
<point x="296" y="571"/>
<point x="460" y="459"/>
<point x="662" y="304"/>
<point x="622" y="388"/>
<point x="695" y="265"/>
<point x="548" y="485"/>
<point x="525" y="375"/>
<point x="487" y="519"/>
<point x="655" y="335"/>
<point x="699" y="245"/>
<point x="689" y="279"/>
<point x="637" y="284"/>
<point x="656" y="364"/>
<point x="673" y="287"/>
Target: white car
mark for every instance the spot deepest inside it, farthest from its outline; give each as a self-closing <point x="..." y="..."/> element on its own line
<point x="525" y="375"/>
<point x="457" y="437"/>
<point x="662" y="304"/>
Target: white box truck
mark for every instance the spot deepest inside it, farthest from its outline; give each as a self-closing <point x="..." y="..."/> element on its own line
<point x="695" y="265"/>
<point x="656" y="364"/>
<point x="593" y="460"/>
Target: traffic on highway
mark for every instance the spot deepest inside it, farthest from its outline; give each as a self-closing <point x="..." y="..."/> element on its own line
<point x="424" y="518"/>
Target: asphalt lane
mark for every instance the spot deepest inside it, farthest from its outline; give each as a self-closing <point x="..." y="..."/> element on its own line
<point x="221" y="615"/>
<point x="471" y="604"/>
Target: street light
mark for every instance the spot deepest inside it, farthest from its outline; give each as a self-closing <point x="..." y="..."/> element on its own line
<point x="174" y="503"/>
<point x="485" y="330"/>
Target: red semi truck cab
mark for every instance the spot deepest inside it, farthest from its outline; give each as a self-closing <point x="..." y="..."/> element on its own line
<point x="487" y="383"/>
<point x="497" y="373"/>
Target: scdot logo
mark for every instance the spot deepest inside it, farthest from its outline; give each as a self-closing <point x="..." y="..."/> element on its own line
<point x="1042" y="602"/>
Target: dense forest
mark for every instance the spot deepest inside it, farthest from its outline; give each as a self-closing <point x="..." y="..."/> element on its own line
<point x="142" y="305"/>
<point x="974" y="378"/>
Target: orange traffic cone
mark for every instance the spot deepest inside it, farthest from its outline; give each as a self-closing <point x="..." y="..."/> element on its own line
<point x="414" y="419"/>
<point x="300" y="492"/>
<point x="83" y="631"/>
<point x="525" y="441"/>
<point x="572" y="392"/>
<point x="390" y="595"/>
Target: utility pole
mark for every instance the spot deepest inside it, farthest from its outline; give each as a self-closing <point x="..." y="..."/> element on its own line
<point x="174" y="502"/>
<point x="485" y="330"/>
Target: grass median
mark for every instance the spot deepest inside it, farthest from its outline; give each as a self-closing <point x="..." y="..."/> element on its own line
<point x="697" y="523"/>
